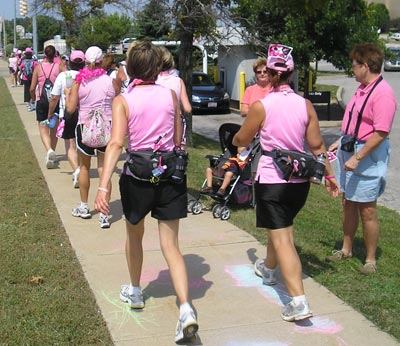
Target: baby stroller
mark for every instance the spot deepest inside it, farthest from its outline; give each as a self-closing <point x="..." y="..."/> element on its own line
<point x="241" y="187"/>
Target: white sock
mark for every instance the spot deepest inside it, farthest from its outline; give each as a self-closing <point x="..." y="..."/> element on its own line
<point x="299" y="299"/>
<point x="185" y="307"/>
<point x="50" y="151"/>
<point x="134" y="289"/>
<point x="77" y="171"/>
<point x="84" y="205"/>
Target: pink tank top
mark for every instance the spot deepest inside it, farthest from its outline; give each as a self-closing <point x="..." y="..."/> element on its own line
<point x="285" y="126"/>
<point x="151" y="116"/>
<point x="44" y="69"/>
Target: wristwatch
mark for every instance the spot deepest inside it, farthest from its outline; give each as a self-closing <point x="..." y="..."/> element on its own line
<point x="358" y="157"/>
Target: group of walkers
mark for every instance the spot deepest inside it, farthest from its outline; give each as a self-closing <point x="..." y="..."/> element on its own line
<point x="150" y="113"/>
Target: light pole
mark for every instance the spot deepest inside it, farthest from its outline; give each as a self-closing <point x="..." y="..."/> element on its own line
<point x="15" y="23"/>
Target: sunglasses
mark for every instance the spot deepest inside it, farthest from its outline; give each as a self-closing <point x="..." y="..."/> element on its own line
<point x="263" y="71"/>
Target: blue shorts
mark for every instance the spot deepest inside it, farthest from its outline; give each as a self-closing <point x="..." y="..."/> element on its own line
<point x="368" y="181"/>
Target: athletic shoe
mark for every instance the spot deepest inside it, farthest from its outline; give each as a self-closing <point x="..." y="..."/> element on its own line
<point x="75" y="178"/>
<point x="135" y="300"/>
<point x="337" y="255"/>
<point x="292" y="312"/>
<point x="186" y="327"/>
<point x="82" y="212"/>
<point x="268" y="276"/>
<point x="369" y="268"/>
<point x="104" y="221"/>
<point x="51" y="159"/>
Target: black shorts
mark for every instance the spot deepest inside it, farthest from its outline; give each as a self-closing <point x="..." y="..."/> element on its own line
<point x="83" y="147"/>
<point x="278" y="204"/>
<point x="69" y="126"/>
<point x="42" y="110"/>
<point x="166" y="201"/>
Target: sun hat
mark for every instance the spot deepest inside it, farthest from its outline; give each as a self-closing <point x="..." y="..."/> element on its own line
<point x="93" y="55"/>
<point x="77" y="56"/>
<point x="280" y="58"/>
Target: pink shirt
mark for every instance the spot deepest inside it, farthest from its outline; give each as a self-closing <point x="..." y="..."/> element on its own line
<point x="285" y="126"/>
<point x="46" y="68"/>
<point x="254" y="93"/>
<point x="151" y="115"/>
<point x="96" y="93"/>
<point x="172" y="82"/>
<point x="378" y="113"/>
<point x="34" y="64"/>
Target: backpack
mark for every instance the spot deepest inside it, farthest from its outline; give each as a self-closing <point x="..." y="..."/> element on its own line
<point x="28" y="69"/>
<point x="45" y="94"/>
<point x="96" y="130"/>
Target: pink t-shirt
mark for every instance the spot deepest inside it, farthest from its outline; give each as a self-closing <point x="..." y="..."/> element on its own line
<point x="254" y="93"/>
<point x="51" y="70"/>
<point x="171" y="82"/>
<point x="378" y="113"/>
<point x="151" y="115"/>
<point x="34" y="64"/>
<point x="285" y="126"/>
<point x="96" y="93"/>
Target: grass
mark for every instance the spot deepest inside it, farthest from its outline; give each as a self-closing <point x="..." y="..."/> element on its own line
<point x="58" y="309"/>
<point x="62" y="310"/>
<point x="317" y="233"/>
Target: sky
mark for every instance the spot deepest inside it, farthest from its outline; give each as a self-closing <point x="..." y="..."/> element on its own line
<point x="7" y="9"/>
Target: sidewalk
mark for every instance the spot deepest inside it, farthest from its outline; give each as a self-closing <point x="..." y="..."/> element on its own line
<point x="233" y="307"/>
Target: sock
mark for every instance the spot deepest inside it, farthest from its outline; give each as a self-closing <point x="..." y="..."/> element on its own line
<point x="84" y="205"/>
<point x="185" y="307"/>
<point x="134" y="289"/>
<point x="299" y="299"/>
<point x="76" y="172"/>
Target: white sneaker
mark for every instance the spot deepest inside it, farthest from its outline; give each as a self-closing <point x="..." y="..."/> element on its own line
<point x="104" y="221"/>
<point x="51" y="159"/>
<point x="135" y="301"/>
<point x="187" y="327"/>
<point x="268" y="276"/>
<point x="292" y="312"/>
<point x="82" y="212"/>
<point x="75" y="178"/>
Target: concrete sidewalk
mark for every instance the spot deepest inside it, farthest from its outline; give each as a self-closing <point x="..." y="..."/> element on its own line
<point x="233" y="307"/>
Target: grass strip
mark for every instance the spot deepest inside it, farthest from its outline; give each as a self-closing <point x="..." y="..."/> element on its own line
<point x="57" y="307"/>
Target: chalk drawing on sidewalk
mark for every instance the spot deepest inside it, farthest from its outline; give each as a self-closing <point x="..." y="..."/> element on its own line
<point x="256" y="343"/>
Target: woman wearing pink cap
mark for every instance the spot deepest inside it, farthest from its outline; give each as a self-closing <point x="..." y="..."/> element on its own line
<point x="284" y="120"/>
<point x="92" y="89"/>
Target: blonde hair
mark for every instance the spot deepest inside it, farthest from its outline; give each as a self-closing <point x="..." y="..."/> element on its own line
<point x="259" y="62"/>
<point x="167" y="59"/>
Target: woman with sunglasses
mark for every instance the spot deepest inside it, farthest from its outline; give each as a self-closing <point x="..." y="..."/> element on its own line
<point x="258" y="90"/>
<point x="283" y="120"/>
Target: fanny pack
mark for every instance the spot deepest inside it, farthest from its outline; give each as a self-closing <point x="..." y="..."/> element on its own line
<point x="292" y="163"/>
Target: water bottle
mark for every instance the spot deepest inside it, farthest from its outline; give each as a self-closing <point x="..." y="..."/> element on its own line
<point x="52" y="122"/>
<point x="68" y="80"/>
<point x="158" y="171"/>
<point x="319" y="169"/>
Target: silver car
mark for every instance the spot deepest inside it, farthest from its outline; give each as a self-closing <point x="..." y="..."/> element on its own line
<point x="392" y="62"/>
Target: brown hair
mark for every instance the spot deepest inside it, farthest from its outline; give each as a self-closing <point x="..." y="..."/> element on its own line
<point x="144" y="61"/>
<point x="108" y="61"/>
<point x="370" y="54"/>
<point x="259" y="62"/>
<point x="50" y="53"/>
<point x="278" y="78"/>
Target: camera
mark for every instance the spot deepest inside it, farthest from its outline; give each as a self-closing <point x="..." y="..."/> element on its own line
<point x="319" y="169"/>
<point x="180" y="166"/>
<point x="347" y="143"/>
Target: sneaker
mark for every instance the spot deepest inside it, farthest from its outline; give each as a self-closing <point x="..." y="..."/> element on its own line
<point x="268" y="276"/>
<point x="135" y="300"/>
<point x="187" y="327"/>
<point x="337" y="255"/>
<point x="369" y="268"/>
<point x="104" y="221"/>
<point x="82" y="212"/>
<point x="51" y="159"/>
<point x="291" y="312"/>
<point x="75" y="179"/>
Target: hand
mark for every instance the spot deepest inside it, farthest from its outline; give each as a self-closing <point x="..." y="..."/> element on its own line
<point x="332" y="187"/>
<point x="101" y="202"/>
<point x="351" y="164"/>
<point x="333" y="147"/>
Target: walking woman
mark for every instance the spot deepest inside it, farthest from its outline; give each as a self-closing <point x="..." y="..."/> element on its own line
<point x="284" y="120"/>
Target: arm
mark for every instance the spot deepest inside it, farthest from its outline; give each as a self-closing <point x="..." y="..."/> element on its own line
<point x="72" y="97"/>
<point x="34" y="82"/>
<point x="186" y="106"/>
<point x="177" y="121"/>
<point x="316" y="144"/>
<point x="120" y="114"/>
<point x="52" y="105"/>
<point x="244" y="109"/>
<point x="253" y="122"/>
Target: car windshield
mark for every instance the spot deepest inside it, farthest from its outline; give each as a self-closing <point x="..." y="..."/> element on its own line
<point x="394" y="54"/>
<point x="202" y="80"/>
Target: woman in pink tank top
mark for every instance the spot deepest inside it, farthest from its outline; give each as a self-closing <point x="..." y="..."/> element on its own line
<point x="283" y="120"/>
<point x="149" y="114"/>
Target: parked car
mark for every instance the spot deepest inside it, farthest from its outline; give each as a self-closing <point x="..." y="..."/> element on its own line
<point x="126" y="42"/>
<point x="208" y="96"/>
<point x="395" y="36"/>
<point x="392" y="63"/>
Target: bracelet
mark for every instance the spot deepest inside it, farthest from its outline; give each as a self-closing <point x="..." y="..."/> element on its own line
<point x="330" y="177"/>
<point x="103" y="189"/>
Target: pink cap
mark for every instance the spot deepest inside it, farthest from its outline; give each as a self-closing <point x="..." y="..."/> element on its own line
<point x="77" y="56"/>
<point x="280" y="58"/>
<point x="94" y="55"/>
<point x="28" y="50"/>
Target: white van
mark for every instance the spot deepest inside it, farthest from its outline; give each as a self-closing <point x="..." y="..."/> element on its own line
<point x="126" y="42"/>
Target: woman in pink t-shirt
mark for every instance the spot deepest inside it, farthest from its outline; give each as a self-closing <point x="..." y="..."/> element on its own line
<point x="258" y="90"/>
<point x="361" y="170"/>
<point x="283" y="120"/>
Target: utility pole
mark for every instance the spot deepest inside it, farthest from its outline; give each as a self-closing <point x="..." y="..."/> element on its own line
<point x="15" y="23"/>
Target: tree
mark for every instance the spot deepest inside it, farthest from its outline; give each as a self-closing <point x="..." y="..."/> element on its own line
<point x="49" y="27"/>
<point x="378" y="15"/>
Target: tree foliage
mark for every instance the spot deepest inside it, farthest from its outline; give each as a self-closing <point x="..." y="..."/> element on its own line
<point x="378" y="16"/>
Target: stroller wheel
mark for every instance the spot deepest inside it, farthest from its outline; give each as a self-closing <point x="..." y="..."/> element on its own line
<point x="190" y="205"/>
<point x="225" y="213"/>
<point x="196" y="208"/>
<point x="216" y="210"/>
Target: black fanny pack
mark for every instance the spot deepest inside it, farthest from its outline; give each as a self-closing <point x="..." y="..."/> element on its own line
<point x="292" y="163"/>
<point x="156" y="166"/>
